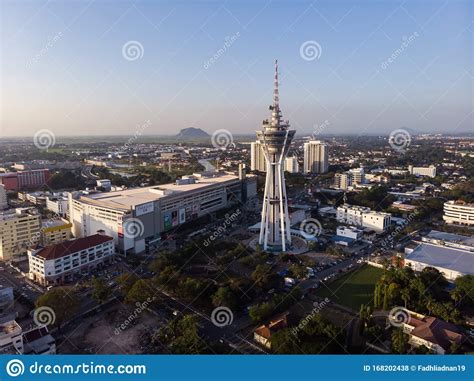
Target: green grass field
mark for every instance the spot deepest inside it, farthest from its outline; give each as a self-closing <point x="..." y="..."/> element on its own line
<point x="354" y="288"/>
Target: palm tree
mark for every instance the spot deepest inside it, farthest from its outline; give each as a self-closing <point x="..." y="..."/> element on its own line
<point x="429" y="303"/>
<point x="405" y="295"/>
<point x="456" y="295"/>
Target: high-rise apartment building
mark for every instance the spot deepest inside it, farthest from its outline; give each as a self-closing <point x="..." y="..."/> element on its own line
<point x="357" y="175"/>
<point x="19" y="230"/>
<point x="315" y="157"/>
<point x="3" y="198"/>
<point x="257" y="157"/>
<point x="342" y="181"/>
<point x="292" y="165"/>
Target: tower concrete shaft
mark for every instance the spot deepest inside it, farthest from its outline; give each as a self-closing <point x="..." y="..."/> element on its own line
<point x="276" y="138"/>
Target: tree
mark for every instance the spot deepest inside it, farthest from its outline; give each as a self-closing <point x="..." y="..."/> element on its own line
<point x="285" y="342"/>
<point x="181" y="336"/>
<point x="224" y="297"/>
<point x="422" y="350"/>
<point x="378" y="296"/>
<point x="62" y="301"/>
<point x="393" y="293"/>
<point x="456" y="295"/>
<point x="298" y="271"/>
<point x="399" y="341"/>
<point x="261" y="275"/>
<point x="405" y="295"/>
<point x="465" y="286"/>
<point x="198" y="290"/>
<point x="260" y="312"/>
<point x="430" y="301"/>
<point x="140" y="292"/>
<point x="433" y="281"/>
<point x="160" y="263"/>
<point x="125" y="282"/>
<point x="454" y="348"/>
<point x="66" y="180"/>
<point x="101" y="291"/>
<point x="385" y="298"/>
<point x="168" y="278"/>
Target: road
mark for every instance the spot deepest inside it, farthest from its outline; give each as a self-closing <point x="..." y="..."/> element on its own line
<point x="10" y="278"/>
<point x="86" y="173"/>
<point x="228" y="333"/>
<point x="306" y="284"/>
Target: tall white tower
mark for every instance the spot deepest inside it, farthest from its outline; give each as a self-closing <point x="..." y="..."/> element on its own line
<point x="276" y="138"/>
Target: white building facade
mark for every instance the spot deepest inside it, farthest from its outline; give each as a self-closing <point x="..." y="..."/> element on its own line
<point x="58" y="205"/>
<point x="57" y="264"/>
<point x="137" y="218"/>
<point x="3" y="198"/>
<point x="422" y="171"/>
<point x="315" y="157"/>
<point x="459" y="212"/>
<point x="257" y="157"/>
<point x="363" y="217"/>
<point x="342" y="181"/>
<point x="291" y="165"/>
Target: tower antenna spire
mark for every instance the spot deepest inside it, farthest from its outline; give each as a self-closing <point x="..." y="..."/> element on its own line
<point x="276" y="98"/>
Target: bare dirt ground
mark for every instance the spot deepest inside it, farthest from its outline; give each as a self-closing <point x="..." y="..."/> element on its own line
<point x="100" y="333"/>
<point x="321" y="258"/>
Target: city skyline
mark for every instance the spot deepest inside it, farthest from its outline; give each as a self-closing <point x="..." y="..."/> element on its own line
<point x="99" y="70"/>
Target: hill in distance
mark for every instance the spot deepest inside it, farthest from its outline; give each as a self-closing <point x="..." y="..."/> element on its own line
<point x="192" y="132"/>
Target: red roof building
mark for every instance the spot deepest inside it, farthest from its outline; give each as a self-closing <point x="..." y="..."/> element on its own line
<point x="61" y="263"/>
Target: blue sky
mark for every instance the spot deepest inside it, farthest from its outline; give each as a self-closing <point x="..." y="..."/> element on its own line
<point x="63" y="66"/>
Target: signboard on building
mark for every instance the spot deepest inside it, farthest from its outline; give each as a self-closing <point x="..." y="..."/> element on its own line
<point x="195" y="210"/>
<point x="174" y="218"/>
<point x="142" y="209"/>
<point x="167" y="225"/>
<point x="182" y="216"/>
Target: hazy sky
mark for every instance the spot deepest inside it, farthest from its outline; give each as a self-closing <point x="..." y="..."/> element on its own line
<point x="209" y="64"/>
